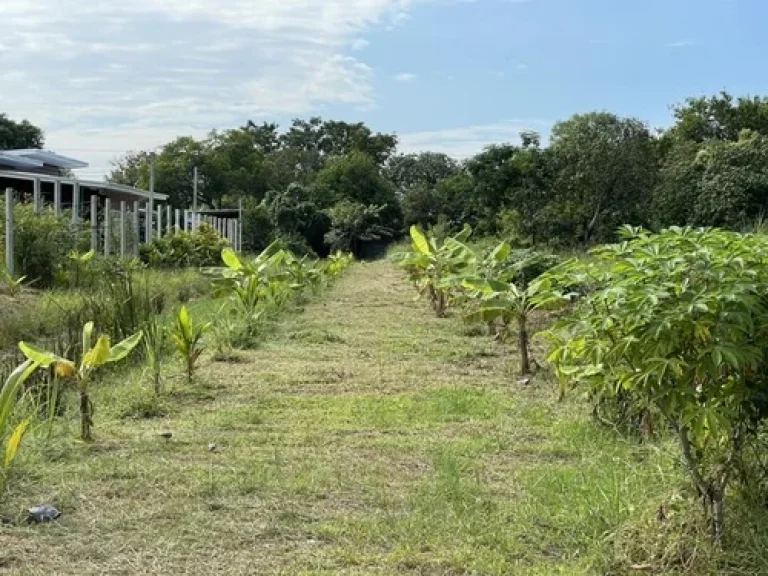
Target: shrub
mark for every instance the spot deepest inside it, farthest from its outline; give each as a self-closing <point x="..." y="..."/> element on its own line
<point x="41" y="243"/>
<point x="676" y="323"/>
<point x="197" y="248"/>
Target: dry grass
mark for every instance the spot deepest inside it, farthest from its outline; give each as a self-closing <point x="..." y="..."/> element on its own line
<point x="364" y="437"/>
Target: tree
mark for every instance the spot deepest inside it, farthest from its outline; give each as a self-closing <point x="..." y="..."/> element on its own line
<point x="357" y="178"/>
<point x="353" y="224"/>
<point x="327" y="139"/>
<point x="734" y="181"/>
<point x="294" y="214"/>
<point x="720" y="117"/>
<point x="424" y="169"/>
<point x="19" y="135"/>
<point x="605" y="169"/>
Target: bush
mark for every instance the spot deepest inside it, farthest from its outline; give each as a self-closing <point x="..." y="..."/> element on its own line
<point x="676" y="324"/>
<point x="201" y="247"/>
<point x="41" y="243"/>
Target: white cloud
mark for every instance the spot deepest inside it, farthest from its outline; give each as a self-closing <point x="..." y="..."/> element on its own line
<point x="467" y="141"/>
<point x="681" y="44"/>
<point x="106" y="75"/>
<point x="405" y="77"/>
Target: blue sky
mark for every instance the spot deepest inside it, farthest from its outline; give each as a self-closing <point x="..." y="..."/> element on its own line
<point x="103" y="77"/>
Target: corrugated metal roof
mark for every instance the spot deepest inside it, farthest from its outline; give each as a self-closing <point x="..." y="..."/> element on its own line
<point x="39" y="158"/>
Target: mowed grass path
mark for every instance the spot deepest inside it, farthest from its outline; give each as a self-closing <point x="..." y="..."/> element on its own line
<point x="365" y="436"/>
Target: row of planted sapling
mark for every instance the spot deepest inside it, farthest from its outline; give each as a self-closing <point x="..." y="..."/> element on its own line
<point x="668" y="325"/>
<point x="501" y="288"/>
<point x="251" y="290"/>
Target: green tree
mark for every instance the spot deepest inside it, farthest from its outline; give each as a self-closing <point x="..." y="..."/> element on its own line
<point x="720" y="117"/>
<point x="424" y="169"/>
<point x="353" y="224"/>
<point x="19" y="135"/>
<point x="734" y="182"/>
<point x="605" y="168"/>
<point x="357" y="178"/>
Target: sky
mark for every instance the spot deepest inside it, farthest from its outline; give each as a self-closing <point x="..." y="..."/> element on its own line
<point x="106" y="76"/>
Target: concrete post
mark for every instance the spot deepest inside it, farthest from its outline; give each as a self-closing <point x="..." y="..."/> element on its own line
<point x="159" y="221"/>
<point x="94" y="222"/>
<point x="36" y="199"/>
<point x="9" y="197"/>
<point x="136" y="228"/>
<point x="75" y="203"/>
<point x="107" y="227"/>
<point x="123" y="231"/>
<point x="57" y="198"/>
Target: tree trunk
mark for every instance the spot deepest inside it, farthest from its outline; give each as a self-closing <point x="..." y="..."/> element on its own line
<point x="86" y="417"/>
<point x="522" y="340"/>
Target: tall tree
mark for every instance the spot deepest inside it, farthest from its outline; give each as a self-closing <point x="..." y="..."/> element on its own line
<point x="19" y="135"/>
<point x="605" y="169"/>
<point x="720" y="117"/>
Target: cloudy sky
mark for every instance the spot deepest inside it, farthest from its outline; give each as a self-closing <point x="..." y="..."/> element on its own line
<point x="105" y="76"/>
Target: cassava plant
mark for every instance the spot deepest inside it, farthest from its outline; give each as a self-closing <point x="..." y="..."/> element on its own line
<point x="94" y="356"/>
<point x="677" y="322"/>
<point x="187" y="338"/>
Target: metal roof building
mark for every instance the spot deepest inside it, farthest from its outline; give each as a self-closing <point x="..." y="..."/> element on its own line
<point x="48" y="176"/>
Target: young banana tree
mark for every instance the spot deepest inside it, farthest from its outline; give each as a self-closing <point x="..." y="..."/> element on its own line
<point x="504" y="301"/>
<point x="94" y="355"/>
<point x="8" y="397"/>
<point x="434" y="267"/>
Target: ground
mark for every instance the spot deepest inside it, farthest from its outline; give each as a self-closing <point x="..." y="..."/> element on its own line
<point x="365" y="436"/>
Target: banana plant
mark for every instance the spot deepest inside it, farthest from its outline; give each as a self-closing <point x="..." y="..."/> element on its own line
<point x="434" y="267"/>
<point x="11" y="284"/>
<point x="187" y="339"/>
<point x="8" y="399"/>
<point x="504" y="301"/>
<point x="95" y="355"/>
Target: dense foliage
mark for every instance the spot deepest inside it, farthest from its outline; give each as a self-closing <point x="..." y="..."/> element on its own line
<point x="194" y="248"/>
<point x="675" y="323"/>
<point x="41" y="244"/>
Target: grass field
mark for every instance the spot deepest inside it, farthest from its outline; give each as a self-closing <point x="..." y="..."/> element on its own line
<point x="364" y="437"/>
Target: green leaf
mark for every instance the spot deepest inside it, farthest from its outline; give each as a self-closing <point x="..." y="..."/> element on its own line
<point x="87" y="336"/>
<point x="122" y="349"/>
<point x="38" y="355"/>
<point x="12" y="447"/>
<point x="501" y="252"/>
<point x="10" y="390"/>
<point x="420" y="241"/>
<point x="231" y="260"/>
<point x="97" y="355"/>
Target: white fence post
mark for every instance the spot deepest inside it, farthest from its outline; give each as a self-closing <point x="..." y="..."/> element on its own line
<point x="75" y="203"/>
<point x="136" y="228"/>
<point x="107" y="227"/>
<point x="168" y="226"/>
<point x="123" y="235"/>
<point x="159" y="221"/>
<point x="9" y="230"/>
<point x="94" y="222"/>
<point x="36" y="200"/>
<point x="57" y="198"/>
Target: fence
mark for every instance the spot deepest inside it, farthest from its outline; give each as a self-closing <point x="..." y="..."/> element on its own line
<point x="120" y="230"/>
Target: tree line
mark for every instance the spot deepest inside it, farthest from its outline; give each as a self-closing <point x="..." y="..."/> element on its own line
<point x="324" y="185"/>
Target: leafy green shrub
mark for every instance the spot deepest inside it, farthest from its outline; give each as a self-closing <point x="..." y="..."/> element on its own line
<point x="41" y="243"/>
<point x="197" y="248"/>
<point x="676" y="323"/>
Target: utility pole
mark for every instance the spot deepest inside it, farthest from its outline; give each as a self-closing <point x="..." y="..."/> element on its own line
<point x="194" y="191"/>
